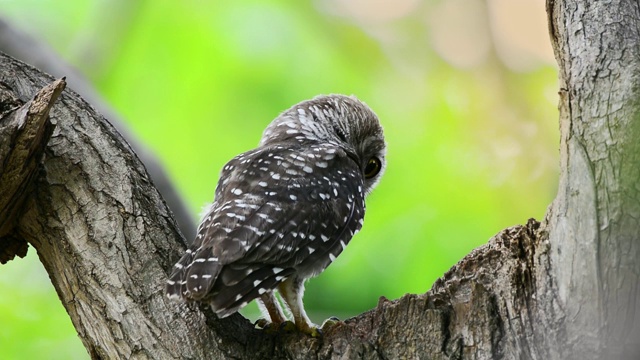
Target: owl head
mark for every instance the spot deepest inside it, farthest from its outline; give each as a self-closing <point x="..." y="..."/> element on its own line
<point x="339" y="120"/>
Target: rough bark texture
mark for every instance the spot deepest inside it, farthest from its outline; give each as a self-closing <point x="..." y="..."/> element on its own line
<point x="26" y="131"/>
<point x="25" y="48"/>
<point x="594" y="224"/>
<point x="566" y="288"/>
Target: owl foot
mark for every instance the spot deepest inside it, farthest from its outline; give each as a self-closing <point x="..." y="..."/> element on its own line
<point x="267" y="326"/>
<point x="329" y="323"/>
<point x="287" y="327"/>
<point x="262" y="323"/>
<point x="309" y="329"/>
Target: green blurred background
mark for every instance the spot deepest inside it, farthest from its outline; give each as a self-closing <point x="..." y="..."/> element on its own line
<point x="466" y="91"/>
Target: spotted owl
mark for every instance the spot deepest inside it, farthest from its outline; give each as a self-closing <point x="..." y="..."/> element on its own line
<point x="285" y="210"/>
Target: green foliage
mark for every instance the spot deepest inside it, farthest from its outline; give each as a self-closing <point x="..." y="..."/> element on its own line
<point x="470" y="151"/>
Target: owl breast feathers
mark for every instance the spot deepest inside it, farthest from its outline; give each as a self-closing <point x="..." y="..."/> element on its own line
<point x="285" y="210"/>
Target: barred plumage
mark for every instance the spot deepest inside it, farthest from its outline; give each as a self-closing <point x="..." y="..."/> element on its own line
<point x="285" y="210"/>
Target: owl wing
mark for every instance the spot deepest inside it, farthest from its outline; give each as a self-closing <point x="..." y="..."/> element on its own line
<point x="277" y="213"/>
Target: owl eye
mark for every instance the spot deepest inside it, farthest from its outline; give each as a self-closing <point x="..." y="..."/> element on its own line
<point x="373" y="168"/>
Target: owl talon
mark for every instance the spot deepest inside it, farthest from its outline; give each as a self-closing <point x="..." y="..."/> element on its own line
<point x="329" y="323"/>
<point x="311" y="330"/>
<point x="268" y="327"/>
<point x="287" y="327"/>
<point x="316" y="333"/>
<point x="262" y="323"/>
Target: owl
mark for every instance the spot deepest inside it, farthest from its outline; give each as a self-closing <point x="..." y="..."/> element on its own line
<point x="285" y="210"/>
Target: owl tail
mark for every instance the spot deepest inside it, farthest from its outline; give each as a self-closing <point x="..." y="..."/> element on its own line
<point x="193" y="276"/>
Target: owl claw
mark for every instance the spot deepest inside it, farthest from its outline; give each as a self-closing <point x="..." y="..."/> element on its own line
<point x="287" y="327"/>
<point x="329" y="323"/>
<point x="316" y="333"/>
<point x="310" y="330"/>
<point x="262" y="323"/>
<point x="266" y="326"/>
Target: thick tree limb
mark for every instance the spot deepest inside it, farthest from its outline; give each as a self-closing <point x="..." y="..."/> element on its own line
<point x="102" y="231"/>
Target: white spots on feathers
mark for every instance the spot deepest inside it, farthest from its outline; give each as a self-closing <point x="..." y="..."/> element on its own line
<point x="287" y="248"/>
<point x="234" y="215"/>
<point x="265" y="217"/>
<point x="257" y="231"/>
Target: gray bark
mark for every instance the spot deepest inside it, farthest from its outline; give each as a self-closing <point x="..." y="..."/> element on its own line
<point x="23" y="47"/>
<point x="594" y="223"/>
<point x="566" y="288"/>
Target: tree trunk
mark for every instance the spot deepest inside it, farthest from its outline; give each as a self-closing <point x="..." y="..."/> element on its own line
<point x="566" y="288"/>
<point x="594" y="222"/>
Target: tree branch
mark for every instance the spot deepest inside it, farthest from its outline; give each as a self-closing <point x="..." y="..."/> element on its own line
<point x="101" y="230"/>
<point x="24" y="132"/>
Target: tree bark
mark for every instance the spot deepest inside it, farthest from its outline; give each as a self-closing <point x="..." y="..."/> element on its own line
<point x="594" y="223"/>
<point x="25" y="48"/>
<point x="566" y="288"/>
